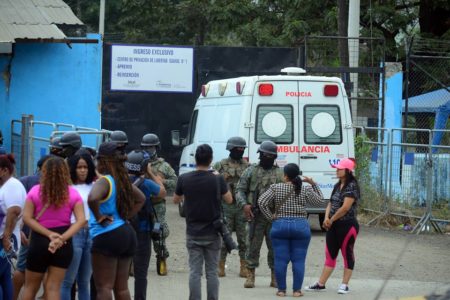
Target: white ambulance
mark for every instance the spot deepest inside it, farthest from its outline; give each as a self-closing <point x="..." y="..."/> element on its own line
<point x="308" y="117"/>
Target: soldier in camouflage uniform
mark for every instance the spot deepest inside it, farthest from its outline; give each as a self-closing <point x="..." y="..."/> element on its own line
<point x="255" y="180"/>
<point x="150" y="143"/>
<point x="231" y="169"/>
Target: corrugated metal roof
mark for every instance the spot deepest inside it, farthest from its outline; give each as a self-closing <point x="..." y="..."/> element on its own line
<point x="34" y="19"/>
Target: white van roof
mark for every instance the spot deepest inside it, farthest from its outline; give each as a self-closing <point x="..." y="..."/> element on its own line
<point x="228" y="87"/>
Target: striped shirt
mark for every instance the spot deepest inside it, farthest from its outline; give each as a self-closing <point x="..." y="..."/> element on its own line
<point x="294" y="206"/>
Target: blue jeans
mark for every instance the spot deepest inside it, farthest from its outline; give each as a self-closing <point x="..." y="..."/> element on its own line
<point x="6" y="291"/>
<point x="204" y="249"/>
<point x="290" y="241"/>
<point x="80" y="268"/>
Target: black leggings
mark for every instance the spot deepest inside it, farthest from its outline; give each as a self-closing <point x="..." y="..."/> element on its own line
<point x="342" y="235"/>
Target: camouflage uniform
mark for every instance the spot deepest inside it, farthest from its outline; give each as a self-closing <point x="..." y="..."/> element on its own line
<point x="253" y="182"/>
<point x="164" y="170"/>
<point x="231" y="171"/>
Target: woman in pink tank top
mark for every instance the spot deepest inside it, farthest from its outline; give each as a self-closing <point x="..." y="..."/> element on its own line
<point x="47" y="212"/>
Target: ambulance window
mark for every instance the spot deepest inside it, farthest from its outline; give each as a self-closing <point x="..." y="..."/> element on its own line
<point x="275" y="123"/>
<point x="192" y="127"/>
<point x="322" y="124"/>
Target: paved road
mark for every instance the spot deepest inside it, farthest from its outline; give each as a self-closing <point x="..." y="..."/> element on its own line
<point x="415" y="265"/>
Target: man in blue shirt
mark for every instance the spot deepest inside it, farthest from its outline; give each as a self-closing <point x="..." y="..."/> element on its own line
<point x="143" y="222"/>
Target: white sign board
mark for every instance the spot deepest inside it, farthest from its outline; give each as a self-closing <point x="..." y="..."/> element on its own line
<point x="152" y="68"/>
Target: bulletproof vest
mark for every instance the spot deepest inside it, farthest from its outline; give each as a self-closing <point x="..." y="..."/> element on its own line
<point x="261" y="180"/>
<point x="157" y="166"/>
<point x="231" y="171"/>
<point x="157" y="169"/>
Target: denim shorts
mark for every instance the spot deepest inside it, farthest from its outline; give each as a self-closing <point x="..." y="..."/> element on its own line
<point x="22" y="258"/>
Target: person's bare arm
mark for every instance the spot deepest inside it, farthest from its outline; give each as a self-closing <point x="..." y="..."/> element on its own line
<point x="12" y="215"/>
<point x="348" y="202"/>
<point x="80" y="222"/>
<point x="177" y="198"/>
<point x="227" y="197"/>
<point x="98" y="193"/>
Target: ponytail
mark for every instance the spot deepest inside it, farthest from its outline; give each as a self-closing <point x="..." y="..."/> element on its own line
<point x="297" y="182"/>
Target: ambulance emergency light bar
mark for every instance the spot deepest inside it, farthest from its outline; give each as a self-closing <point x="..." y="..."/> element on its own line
<point x="329" y="90"/>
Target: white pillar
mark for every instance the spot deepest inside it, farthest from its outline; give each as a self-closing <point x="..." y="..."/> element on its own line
<point x="353" y="48"/>
<point x="101" y="22"/>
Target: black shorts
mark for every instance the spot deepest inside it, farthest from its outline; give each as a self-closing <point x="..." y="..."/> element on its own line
<point x="120" y="242"/>
<point x="39" y="258"/>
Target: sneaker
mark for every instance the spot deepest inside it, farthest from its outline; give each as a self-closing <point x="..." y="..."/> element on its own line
<point x="343" y="289"/>
<point x="315" y="287"/>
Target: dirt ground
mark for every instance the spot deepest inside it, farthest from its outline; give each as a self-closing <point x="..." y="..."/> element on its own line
<point x="389" y="264"/>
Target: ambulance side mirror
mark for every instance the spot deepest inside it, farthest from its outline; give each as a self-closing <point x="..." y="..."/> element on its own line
<point x="176" y="139"/>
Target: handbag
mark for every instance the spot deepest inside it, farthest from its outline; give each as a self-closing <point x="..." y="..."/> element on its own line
<point x="274" y="215"/>
<point x="39" y="215"/>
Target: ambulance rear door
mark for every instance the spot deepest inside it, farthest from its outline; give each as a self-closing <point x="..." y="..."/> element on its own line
<point x="324" y="135"/>
<point x="275" y="117"/>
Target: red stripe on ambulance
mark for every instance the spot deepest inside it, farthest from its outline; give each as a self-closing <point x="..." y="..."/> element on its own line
<point x="303" y="149"/>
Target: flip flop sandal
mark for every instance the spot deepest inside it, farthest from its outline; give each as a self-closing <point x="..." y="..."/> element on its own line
<point x="281" y="293"/>
<point x="297" y="294"/>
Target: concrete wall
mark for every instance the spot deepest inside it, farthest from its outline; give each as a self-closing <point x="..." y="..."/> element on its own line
<point x="53" y="82"/>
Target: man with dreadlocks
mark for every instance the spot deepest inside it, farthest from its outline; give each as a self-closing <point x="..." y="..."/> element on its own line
<point x="113" y="200"/>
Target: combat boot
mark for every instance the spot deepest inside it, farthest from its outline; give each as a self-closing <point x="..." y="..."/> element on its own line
<point x="243" y="269"/>
<point x="273" y="281"/>
<point x="250" y="282"/>
<point x="222" y="268"/>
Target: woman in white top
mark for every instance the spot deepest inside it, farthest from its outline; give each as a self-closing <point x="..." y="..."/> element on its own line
<point x="12" y="200"/>
<point x="82" y="173"/>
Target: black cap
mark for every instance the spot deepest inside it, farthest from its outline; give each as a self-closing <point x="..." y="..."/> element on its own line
<point x="107" y="149"/>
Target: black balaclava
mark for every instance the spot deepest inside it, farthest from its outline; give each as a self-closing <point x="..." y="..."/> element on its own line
<point x="151" y="151"/>
<point x="68" y="151"/>
<point x="266" y="161"/>
<point x="236" y="154"/>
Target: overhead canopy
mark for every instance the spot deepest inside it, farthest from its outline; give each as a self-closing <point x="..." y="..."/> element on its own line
<point x="429" y="102"/>
<point x="34" y="20"/>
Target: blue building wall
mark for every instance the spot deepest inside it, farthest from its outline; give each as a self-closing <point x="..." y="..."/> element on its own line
<point x="54" y="83"/>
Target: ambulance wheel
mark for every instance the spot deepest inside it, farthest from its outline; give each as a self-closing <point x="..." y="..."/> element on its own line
<point x="321" y="219"/>
<point x="181" y="209"/>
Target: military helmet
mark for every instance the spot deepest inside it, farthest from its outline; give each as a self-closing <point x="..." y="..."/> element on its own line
<point x="150" y="139"/>
<point x="71" y="138"/>
<point x="55" y="143"/>
<point x="268" y="147"/>
<point x="119" y="137"/>
<point x="236" y="141"/>
<point x="136" y="161"/>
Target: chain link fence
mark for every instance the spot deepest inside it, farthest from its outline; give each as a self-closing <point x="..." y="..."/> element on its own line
<point x="404" y="178"/>
<point x="427" y="90"/>
<point x="359" y="62"/>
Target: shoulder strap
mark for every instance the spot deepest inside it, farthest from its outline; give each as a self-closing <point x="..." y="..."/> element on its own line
<point x="138" y="181"/>
<point x="39" y="215"/>
<point x="274" y="216"/>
